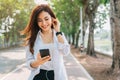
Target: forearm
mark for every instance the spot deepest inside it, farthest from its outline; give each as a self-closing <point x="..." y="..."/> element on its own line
<point x="60" y="38"/>
<point x="34" y="64"/>
<point x="39" y="61"/>
<point x="63" y="45"/>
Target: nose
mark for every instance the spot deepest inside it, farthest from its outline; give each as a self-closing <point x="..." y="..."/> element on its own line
<point x="43" y="23"/>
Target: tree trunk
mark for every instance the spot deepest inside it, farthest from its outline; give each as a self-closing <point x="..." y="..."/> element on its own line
<point x="84" y="30"/>
<point x="69" y="39"/>
<point x="90" y="47"/>
<point x="84" y="27"/>
<point x="73" y="39"/>
<point x="115" y="30"/>
<point x="90" y="11"/>
<point x="77" y="39"/>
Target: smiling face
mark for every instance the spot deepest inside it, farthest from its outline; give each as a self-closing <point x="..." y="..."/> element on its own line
<point x="44" y="21"/>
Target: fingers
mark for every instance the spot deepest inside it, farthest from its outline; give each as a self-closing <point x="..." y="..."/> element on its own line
<point x="56" y="24"/>
<point x="55" y="21"/>
<point x="40" y="58"/>
<point x="46" y="58"/>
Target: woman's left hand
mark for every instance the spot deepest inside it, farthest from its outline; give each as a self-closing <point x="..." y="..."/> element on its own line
<point x="56" y="24"/>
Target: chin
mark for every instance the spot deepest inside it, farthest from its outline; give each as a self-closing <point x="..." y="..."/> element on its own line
<point x="45" y="29"/>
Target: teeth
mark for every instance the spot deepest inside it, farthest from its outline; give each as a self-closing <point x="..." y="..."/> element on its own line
<point x="45" y="26"/>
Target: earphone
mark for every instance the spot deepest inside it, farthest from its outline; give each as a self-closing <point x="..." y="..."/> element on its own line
<point x="46" y="75"/>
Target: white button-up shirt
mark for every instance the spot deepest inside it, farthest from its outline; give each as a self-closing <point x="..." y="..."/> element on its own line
<point x="60" y="49"/>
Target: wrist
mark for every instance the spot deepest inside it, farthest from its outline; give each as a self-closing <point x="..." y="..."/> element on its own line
<point x="38" y="62"/>
<point x="58" y="33"/>
<point x="34" y="64"/>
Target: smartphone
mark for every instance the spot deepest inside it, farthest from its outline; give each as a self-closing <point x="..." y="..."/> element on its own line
<point x="44" y="52"/>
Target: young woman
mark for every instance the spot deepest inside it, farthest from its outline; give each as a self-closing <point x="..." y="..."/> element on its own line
<point x="43" y="32"/>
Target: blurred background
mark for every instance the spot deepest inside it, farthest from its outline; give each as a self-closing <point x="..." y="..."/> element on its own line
<point x="86" y="24"/>
<point x="14" y="16"/>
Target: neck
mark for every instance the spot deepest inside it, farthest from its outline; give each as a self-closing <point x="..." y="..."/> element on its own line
<point x="47" y="36"/>
<point x="47" y="32"/>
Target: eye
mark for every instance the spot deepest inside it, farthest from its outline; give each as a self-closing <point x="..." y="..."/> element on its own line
<point x="39" y="20"/>
<point x="46" y="19"/>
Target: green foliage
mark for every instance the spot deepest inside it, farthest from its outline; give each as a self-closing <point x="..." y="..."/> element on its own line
<point x="104" y="1"/>
<point x="68" y="13"/>
<point x="101" y="16"/>
<point x="14" y="17"/>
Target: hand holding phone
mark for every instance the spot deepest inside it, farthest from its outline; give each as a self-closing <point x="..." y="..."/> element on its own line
<point x="44" y="52"/>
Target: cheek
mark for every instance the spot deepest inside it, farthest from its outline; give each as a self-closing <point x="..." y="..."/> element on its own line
<point x="50" y="22"/>
<point x="39" y="24"/>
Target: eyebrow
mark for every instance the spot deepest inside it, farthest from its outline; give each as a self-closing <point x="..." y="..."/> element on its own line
<point x="44" y="17"/>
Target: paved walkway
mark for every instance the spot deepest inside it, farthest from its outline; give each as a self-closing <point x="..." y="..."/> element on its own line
<point x="74" y="69"/>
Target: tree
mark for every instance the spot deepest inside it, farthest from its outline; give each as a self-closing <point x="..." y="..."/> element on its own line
<point x="90" y="9"/>
<point x="84" y="22"/>
<point x="13" y="18"/>
<point x="68" y="12"/>
<point x="115" y="30"/>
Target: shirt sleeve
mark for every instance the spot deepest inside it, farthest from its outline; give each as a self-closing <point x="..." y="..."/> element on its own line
<point x="29" y="58"/>
<point x="64" y="48"/>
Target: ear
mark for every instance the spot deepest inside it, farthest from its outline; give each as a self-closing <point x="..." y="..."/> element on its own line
<point x="52" y="19"/>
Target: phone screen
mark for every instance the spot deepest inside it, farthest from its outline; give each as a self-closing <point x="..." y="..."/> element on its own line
<point x="44" y="52"/>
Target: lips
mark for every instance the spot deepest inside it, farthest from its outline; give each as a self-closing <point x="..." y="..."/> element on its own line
<point x="44" y="27"/>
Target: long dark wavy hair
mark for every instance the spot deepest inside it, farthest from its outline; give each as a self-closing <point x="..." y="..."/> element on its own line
<point x="32" y="27"/>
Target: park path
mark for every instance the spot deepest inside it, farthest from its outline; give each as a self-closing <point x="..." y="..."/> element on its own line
<point x="13" y="67"/>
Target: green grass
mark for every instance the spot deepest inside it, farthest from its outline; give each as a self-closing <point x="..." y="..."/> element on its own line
<point x="103" y="45"/>
<point x="103" y="42"/>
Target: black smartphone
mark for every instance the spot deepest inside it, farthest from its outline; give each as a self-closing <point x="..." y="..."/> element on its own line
<point x="44" y="52"/>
